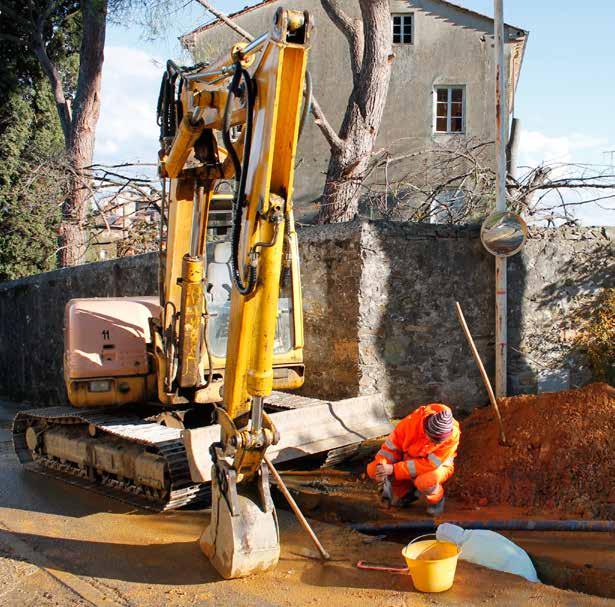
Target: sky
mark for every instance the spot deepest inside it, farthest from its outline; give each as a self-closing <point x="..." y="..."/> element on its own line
<point x="563" y="99"/>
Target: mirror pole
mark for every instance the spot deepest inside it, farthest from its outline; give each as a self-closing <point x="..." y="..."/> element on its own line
<point x="501" y="121"/>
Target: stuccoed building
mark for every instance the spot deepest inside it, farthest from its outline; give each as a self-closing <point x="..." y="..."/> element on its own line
<point x="441" y="98"/>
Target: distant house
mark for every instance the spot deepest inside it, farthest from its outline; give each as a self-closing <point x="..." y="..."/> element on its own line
<point x="442" y="82"/>
<point x="125" y="224"/>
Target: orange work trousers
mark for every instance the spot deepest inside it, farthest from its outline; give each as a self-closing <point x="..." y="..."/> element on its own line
<point x="429" y="484"/>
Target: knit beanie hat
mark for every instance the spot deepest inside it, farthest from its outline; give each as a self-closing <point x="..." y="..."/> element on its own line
<point x="439" y="426"/>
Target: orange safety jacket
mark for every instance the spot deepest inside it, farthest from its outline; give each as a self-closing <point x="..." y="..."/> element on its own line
<point x="412" y="452"/>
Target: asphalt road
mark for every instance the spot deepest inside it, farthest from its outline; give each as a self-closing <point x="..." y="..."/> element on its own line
<point x="60" y="545"/>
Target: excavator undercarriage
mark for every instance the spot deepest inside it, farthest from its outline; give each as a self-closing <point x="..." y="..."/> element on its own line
<point x="116" y="453"/>
<point x="132" y="454"/>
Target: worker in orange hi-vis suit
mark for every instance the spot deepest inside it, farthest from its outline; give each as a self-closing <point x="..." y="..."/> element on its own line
<point x="419" y="454"/>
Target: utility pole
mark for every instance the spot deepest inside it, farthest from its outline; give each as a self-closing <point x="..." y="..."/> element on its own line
<point x="501" y="121"/>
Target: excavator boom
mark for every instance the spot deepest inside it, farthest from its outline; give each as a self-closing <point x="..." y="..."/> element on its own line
<point x="259" y="90"/>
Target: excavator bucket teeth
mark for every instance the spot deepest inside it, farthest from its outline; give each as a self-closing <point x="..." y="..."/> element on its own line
<point x="243" y="543"/>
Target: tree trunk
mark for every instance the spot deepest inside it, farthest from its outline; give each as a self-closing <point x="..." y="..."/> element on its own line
<point x="350" y="158"/>
<point x="86" y="110"/>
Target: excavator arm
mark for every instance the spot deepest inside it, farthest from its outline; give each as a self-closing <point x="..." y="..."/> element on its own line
<point x="258" y="89"/>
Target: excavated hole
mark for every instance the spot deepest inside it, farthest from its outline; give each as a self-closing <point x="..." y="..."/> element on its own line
<point x="559" y="571"/>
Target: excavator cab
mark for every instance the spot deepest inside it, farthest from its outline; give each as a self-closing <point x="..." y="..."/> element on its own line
<point x="218" y="288"/>
<point x="109" y="342"/>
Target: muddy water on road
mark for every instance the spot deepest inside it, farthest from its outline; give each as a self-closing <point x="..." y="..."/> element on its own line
<point x="72" y="547"/>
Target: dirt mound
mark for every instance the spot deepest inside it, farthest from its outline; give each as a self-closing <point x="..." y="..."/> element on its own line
<point x="561" y="453"/>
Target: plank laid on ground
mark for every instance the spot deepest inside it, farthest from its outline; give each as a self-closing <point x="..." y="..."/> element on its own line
<point x="305" y="431"/>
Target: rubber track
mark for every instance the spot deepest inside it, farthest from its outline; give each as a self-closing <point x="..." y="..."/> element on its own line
<point x="161" y="440"/>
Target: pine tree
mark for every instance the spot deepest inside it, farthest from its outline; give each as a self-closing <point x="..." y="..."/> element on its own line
<point x="33" y="175"/>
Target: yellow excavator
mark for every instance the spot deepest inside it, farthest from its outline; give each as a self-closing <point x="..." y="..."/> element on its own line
<point x="227" y="328"/>
<point x="225" y="331"/>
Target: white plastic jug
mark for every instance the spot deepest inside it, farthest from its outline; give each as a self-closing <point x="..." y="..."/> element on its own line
<point x="489" y="549"/>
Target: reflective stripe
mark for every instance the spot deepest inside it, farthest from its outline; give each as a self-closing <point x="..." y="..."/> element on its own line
<point x="392" y="458"/>
<point x="436" y="461"/>
<point x="411" y="467"/>
<point x="390" y="445"/>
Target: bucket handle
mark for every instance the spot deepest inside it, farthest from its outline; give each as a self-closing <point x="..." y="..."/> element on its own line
<point x="420" y="537"/>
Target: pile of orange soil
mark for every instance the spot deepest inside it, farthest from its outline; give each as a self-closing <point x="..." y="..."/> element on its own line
<point x="560" y="454"/>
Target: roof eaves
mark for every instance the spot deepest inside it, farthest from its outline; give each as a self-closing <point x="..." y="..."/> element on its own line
<point x="185" y="37"/>
<point x="463" y="9"/>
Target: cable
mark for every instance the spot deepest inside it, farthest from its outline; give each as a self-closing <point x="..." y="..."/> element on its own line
<point x="226" y="130"/>
<point x="241" y="172"/>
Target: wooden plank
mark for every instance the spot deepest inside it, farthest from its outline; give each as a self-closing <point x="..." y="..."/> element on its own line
<point x="306" y="431"/>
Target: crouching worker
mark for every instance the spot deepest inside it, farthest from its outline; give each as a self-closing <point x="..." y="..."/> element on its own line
<point x="418" y="455"/>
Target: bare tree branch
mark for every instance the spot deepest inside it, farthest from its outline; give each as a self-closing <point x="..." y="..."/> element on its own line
<point x="333" y="139"/>
<point x="455" y="183"/>
<point x="352" y="30"/>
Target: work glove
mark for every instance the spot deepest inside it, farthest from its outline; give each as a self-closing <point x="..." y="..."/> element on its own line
<point x="383" y="471"/>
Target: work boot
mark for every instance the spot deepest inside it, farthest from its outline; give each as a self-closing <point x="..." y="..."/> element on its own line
<point x="436" y="509"/>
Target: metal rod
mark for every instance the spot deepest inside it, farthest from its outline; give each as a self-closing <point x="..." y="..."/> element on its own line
<point x="254" y="45"/>
<point x="372" y="567"/>
<point x="492" y="524"/>
<point x="257" y="414"/>
<point x="481" y="368"/>
<point x="197" y="211"/>
<point x="224" y="71"/>
<point x="161" y="250"/>
<point x="212" y="9"/>
<point x="319" y="472"/>
<point x="501" y="122"/>
<point x="291" y="502"/>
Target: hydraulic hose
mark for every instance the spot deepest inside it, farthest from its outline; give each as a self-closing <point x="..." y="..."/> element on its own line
<point x="210" y="375"/>
<point x="493" y="525"/>
<point x="169" y="107"/>
<point x="226" y="131"/>
<point x="241" y="172"/>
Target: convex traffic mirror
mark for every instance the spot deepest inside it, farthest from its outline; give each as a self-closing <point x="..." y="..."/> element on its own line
<point x="503" y="233"/>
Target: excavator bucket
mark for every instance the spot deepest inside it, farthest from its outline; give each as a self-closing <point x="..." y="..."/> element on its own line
<point x="243" y="536"/>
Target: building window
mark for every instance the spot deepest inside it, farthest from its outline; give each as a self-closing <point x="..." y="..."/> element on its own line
<point x="450" y="109"/>
<point x="402" y="29"/>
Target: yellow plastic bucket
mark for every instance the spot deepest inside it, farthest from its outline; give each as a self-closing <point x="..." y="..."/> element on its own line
<point x="431" y="563"/>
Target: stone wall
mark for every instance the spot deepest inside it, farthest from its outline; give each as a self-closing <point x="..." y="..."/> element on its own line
<point x="558" y="273"/>
<point x="331" y="277"/>
<point x="378" y="308"/>
<point x="411" y="346"/>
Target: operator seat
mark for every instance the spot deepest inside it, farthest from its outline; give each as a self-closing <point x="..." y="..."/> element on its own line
<point x="219" y="274"/>
<point x="219" y="298"/>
